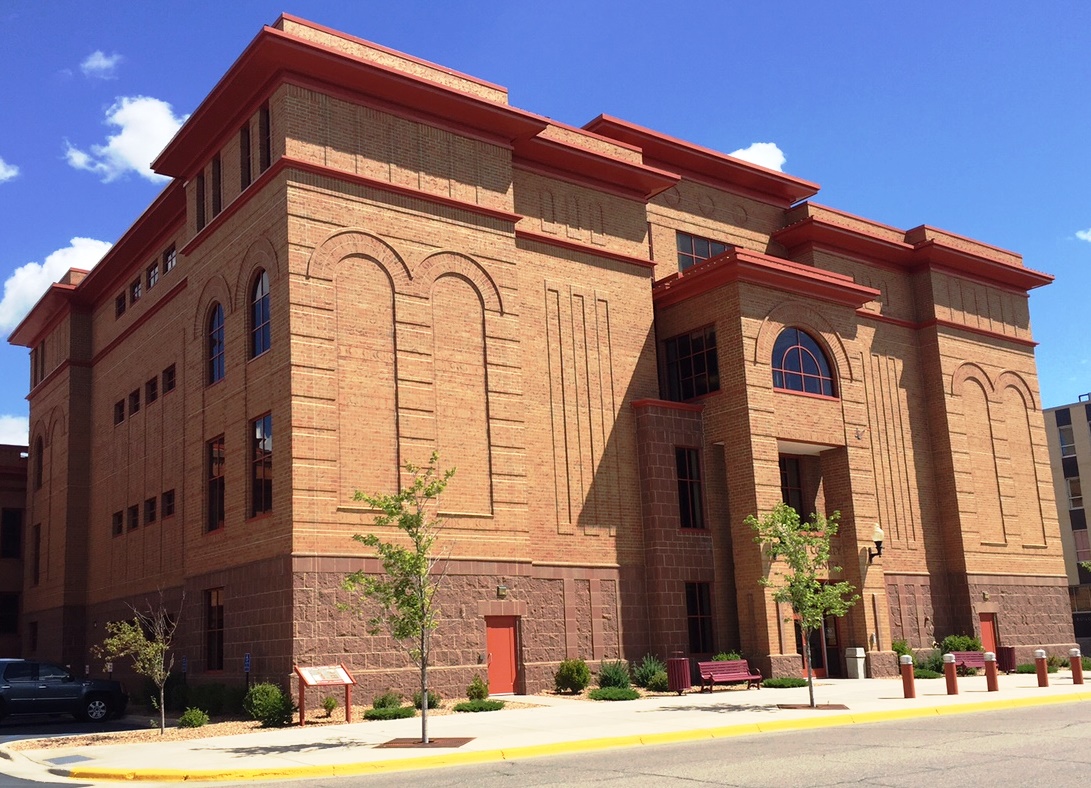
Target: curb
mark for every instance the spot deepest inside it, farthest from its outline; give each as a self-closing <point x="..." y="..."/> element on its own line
<point x="559" y="748"/>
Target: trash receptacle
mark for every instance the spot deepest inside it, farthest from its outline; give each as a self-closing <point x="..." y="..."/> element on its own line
<point x="854" y="663"/>
<point x="678" y="678"/>
<point x="1005" y="658"/>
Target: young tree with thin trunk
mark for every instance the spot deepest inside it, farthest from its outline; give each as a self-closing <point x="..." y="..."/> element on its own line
<point x="146" y="638"/>
<point x="799" y="554"/>
<point x="406" y="592"/>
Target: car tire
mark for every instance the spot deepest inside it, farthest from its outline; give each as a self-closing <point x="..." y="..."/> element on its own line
<point x="96" y="708"/>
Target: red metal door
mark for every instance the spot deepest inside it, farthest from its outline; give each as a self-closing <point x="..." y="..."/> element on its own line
<point x="500" y="640"/>
<point x="988" y="632"/>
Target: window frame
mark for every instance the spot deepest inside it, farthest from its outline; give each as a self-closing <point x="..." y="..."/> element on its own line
<point x="1071" y="445"/>
<point x="199" y="188"/>
<point x="216" y="337"/>
<point x="170" y="379"/>
<point x="217" y="186"/>
<point x="151" y="390"/>
<point x="150" y="513"/>
<point x="698" y="595"/>
<point x="679" y="355"/>
<point x="121" y="303"/>
<point x="691" y="499"/>
<point x="245" y="158"/>
<point x="136" y="291"/>
<point x="790" y="494"/>
<point x="214" y="629"/>
<point x="117" y="523"/>
<point x="119" y="411"/>
<point x="692" y="254"/>
<point x="1074" y="489"/>
<point x="261" y="465"/>
<point x="216" y="488"/>
<point x="170" y="259"/>
<point x="166" y="504"/>
<point x="132" y="517"/>
<point x="260" y="314"/>
<point x="783" y="376"/>
<point x="134" y="402"/>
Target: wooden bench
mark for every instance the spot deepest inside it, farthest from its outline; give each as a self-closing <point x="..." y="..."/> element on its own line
<point x="732" y="671"/>
<point x="969" y="659"/>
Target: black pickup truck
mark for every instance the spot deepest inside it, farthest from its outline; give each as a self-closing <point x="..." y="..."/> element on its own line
<point x="31" y="687"/>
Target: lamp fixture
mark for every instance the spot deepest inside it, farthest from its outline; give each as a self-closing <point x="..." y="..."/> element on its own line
<point x="877" y="537"/>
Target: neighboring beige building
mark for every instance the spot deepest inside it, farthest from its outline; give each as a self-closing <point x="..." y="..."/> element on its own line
<point x="624" y="342"/>
<point x="1068" y="428"/>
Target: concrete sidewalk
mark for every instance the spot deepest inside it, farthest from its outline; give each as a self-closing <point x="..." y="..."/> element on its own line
<point x="555" y="725"/>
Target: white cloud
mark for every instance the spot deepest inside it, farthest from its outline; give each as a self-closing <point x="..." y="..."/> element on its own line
<point x="147" y="125"/>
<point x="1084" y="235"/>
<point x="99" y="65"/>
<point x="7" y="171"/>
<point x="764" y="154"/>
<point x="27" y="282"/>
<point x="14" y="430"/>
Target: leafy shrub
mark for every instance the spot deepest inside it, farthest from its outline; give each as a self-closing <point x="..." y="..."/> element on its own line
<point x="784" y="682"/>
<point x="1053" y="662"/>
<point x="329" y="703"/>
<point x="646" y="668"/>
<point x="614" y="674"/>
<point x="573" y="675"/>
<point x="727" y="656"/>
<point x="1086" y="662"/>
<point x="932" y="662"/>
<point x="480" y="704"/>
<point x="658" y="682"/>
<point x="388" y="700"/>
<point x="433" y="699"/>
<point x="269" y="705"/>
<point x="925" y="673"/>
<point x="901" y="648"/>
<point x="478" y="689"/>
<point x="390" y="713"/>
<point x="192" y="718"/>
<point x="613" y="693"/>
<point x="960" y="643"/>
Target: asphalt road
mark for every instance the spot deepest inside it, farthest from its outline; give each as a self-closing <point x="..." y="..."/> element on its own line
<point x="1042" y="746"/>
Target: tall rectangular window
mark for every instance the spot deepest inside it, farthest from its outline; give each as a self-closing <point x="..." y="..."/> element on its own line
<point x="168" y="379"/>
<point x="699" y="618"/>
<point x="200" y="195"/>
<point x="791" y="483"/>
<point x="214" y="629"/>
<point x="119" y="411"/>
<point x="244" y="157"/>
<point x="134" y="402"/>
<point x="693" y="249"/>
<point x="1075" y="492"/>
<point x="691" y="364"/>
<point x="11" y="533"/>
<point x="134" y="517"/>
<point x="217" y="185"/>
<point x="119" y="305"/>
<point x="261" y="453"/>
<point x="1068" y="441"/>
<point x="136" y="289"/>
<point x="117" y="523"/>
<point x="265" y="139"/>
<point x="151" y="390"/>
<point x="36" y="555"/>
<point x="691" y="508"/>
<point x="149" y="510"/>
<point x="151" y="276"/>
<point x="168" y="504"/>
<point x="215" y="465"/>
<point x="170" y="259"/>
<point x="37" y="364"/>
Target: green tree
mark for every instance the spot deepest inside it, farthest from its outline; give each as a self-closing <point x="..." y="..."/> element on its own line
<point x="146" y="639"/>
<point x="406" y="591"/>
<point x="803" y="553"/>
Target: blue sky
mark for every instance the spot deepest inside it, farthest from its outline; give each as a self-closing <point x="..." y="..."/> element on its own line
<point x="968" y="116"/>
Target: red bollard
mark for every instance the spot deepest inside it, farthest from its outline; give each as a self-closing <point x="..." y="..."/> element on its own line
<point x="990" y="672"/>
<point x="908" y="687"/>
<point x="949" y="674"/>
<point x="1075" y="661"/>
<point x="1043" y="669"/>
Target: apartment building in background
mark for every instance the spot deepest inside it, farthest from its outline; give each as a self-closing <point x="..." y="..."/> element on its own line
<point x="1069" y="430"/>
<point x="624" y="342"/>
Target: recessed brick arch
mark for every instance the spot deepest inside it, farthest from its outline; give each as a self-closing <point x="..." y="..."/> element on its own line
<point x="260" y="255"/>
<point x="1013" y="380"/>
<point x="352" y="242"/>
<point x="442" y="264"/>
<point x="215" y="289"/>
<point x="968" y="370"/>
<point x="795" y="314"/>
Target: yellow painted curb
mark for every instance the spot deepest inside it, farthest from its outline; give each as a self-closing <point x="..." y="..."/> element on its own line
<point x="560" y="748"/>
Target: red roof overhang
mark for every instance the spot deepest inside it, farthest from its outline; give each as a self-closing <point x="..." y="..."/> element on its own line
<point x="741" y="265"/>
<point x="53" y="304"/>
<point x="673" y="154"/>
<point x="818" y="233"/>
<point x="274" y="53"/>
<point x="638" y="180"/>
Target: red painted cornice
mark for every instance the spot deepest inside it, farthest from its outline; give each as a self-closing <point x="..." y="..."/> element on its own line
<point x="714" y="167"/>
<point x="636" y="181"/>
<point x="742" y="265"/>
<point x="273" y="51"/>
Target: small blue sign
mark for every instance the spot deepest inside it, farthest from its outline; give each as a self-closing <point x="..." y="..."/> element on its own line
<point x="246" y="662"/>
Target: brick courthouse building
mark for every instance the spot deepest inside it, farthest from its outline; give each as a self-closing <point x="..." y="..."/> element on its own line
<point x="624" y="342"/>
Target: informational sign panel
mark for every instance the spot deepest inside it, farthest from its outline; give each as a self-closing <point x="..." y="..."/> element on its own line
<point x="325" y="675"/>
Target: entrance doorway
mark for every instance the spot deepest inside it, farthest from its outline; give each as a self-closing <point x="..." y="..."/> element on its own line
<point x="823" y="648"/>
<point x="989" y="638"/>
<point x="501" y="641"/>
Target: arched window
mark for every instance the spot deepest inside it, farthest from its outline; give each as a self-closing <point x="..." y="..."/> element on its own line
<point x="800" y="365"/>
<point x="216" y="344"/>
<point x="38" y="462"/>
<point x="259" y="315"/>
